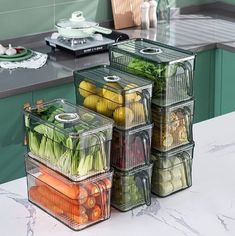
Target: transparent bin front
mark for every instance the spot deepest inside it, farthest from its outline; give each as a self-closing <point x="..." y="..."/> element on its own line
<point x="131" y="188"/>
<point x="172" y="171"/>
<point x="131" y="148"/>
<point x="172" y="125"/>
<point x="119" y="95"/>
<point x="70" y="139"/>
<point x="170" y="68"/>
<point x="76" y="204"/>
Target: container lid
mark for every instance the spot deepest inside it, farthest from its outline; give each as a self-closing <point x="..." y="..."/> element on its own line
<point x="134" y="171"/>
<point x="76" y="189"/>
<point x="158" y="154"/>
<point x="75" y="121"/>
<point x="76" y="21"/>
<point x="134" y="130"/>
<point x="172" y="113"/>
<point x="154" y="51"/>
<point x="113" y="79"/>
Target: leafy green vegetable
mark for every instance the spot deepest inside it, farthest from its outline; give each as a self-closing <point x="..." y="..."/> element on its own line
<point x="158" y="73"/>
<point x="73" y="155"/>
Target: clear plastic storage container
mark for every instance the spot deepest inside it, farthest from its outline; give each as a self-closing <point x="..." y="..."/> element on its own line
<point x="172" y="125"/>
<point x="170" y="68"/>
<point x="121" y="96"/>
<point x="131" y="188"/>
<point x="76" y="204"/>
<point x="131" y="148"/>
<point x="172" y="171"/>
<point x="70" y="139"/>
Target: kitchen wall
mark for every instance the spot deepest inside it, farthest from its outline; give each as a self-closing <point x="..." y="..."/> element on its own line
<point x="25" y="17"/>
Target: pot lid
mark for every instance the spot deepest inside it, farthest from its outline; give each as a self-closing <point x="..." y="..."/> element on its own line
<point x="76" y="21"/>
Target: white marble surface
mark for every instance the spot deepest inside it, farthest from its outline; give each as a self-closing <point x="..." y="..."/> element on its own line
<point x="205" y="209"/>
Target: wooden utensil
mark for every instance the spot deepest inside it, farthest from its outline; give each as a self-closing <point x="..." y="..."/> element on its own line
<point x="126" y="13"/>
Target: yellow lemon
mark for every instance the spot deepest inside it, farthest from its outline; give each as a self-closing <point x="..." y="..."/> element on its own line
<point x="114" y="99"/>
<point x="123" y="116"/>
<point x="102" y="108"/>
<point x="138" y="110"/>
<point x="91" y="101"/>
<point x="86" y="88"/>
<point x="131" y="97"/>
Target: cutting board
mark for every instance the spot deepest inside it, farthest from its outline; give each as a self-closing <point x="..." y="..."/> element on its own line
<point x="126" y="13"/>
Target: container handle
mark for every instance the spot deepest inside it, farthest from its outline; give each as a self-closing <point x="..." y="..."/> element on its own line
<point x="151" y="51"/>
<point x="188" y="122"/>
<point x="144" y="177"/>
<point x="188" y="71"/>
<point x="147" y="104"/>
<point x="186" y="166"/>
<point x="144" y="136"/>
<point x="67" y="117"/>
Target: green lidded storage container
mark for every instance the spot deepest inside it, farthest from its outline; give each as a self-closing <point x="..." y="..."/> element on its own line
<point x="116" y="94"/>
<point x="70" y="139"/>
<point x="172" y="125"/>
<point x="76" y="204"/>
<point x="131" y="188"/>
<point x="172" y="171"/>
<point x="170" y="68"/>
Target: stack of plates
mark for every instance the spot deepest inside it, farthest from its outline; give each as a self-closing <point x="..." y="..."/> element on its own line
<point x="22" y="54"/>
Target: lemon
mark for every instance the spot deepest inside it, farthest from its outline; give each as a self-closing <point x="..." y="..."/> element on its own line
<point x="91" y="101"/>
<point x="114" y="85"/>
<point x="86" y="88"/>
<point x="131" y="97"/>
<point x="102" y="108"/>
<point x="123" y="116"/>
<point x="138" y="110"/>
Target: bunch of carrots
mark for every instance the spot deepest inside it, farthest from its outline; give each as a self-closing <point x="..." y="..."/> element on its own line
<point x="81" y="203"/>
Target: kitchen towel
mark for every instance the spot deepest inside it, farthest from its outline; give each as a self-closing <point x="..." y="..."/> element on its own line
<point x="36" y="61"/>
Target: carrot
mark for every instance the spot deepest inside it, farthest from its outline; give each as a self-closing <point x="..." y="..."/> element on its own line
<point x="95" y="213"/>
<point x="93" y="189"/>
<point x="39" y="199"/>
<point x="102" y="199"/>
<point x="90" y="202"/>
<point x="59" y="201"/>
<point x="108" y="183"/>
<point x="65" y="187"/>
<point x="81" y="219"/>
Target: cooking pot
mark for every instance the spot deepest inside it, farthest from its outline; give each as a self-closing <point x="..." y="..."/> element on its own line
<point x="77" y="27"/>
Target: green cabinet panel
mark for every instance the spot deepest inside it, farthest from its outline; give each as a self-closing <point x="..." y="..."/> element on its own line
<point x="203" y="85"/>
<point x="226" y="82"/>
<point x="12" y="133"/>
<point x="66" y="91"/>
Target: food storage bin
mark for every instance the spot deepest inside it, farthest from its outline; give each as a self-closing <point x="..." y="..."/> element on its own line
<point x="172" y="171"/>
<point x="76" y="204"/>
<point x="171" y="69"/>
<point x="131" y="148"/>
<point x="70" y="139"/>
<point x="131" y="188"/>
<point x="121" y="96"/>
<point x="172" y="125"/>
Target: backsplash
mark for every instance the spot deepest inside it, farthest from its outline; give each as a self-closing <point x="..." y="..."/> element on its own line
<point x="25" y="17"/>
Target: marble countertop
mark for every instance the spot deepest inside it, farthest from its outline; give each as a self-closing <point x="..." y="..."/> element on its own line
<point x="205" y="209"/>
<point x="196" y="32"/>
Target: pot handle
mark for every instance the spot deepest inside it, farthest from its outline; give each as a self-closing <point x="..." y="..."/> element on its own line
<point x="102" y="30"/>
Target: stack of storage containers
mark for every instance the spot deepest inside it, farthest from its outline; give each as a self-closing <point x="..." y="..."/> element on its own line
<point x="171" y="69"/>
<point x="127" y="100"/>
<point x="68" y="162"/>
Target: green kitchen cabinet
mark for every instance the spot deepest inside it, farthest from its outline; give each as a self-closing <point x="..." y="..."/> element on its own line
<point x="66" y="91"/>
<point x="225" y="82"/>
<point x="12" y="149"/>
<point x="203" y="85"/>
